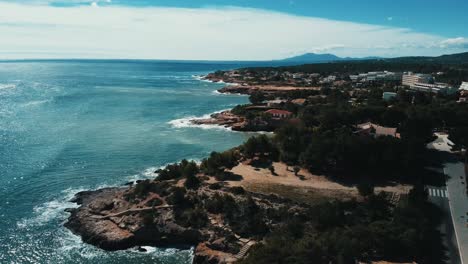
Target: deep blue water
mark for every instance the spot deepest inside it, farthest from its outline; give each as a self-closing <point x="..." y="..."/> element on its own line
<point x="75" y="125"/>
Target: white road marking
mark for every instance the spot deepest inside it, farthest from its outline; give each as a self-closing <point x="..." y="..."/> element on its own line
<point x="437" y="193"/>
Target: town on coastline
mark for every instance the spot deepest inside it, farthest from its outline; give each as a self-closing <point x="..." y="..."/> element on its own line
<point x="358" y="170"/>
<point x="276" y="95"/>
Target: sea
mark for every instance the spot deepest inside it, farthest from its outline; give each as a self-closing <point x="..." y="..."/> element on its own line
<point x="69" y="125"/>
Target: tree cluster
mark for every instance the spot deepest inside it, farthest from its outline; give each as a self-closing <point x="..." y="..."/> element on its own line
<point x="348" y="232"/>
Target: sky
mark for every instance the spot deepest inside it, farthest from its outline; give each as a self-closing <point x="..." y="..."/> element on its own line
<point x="230" y="30"/>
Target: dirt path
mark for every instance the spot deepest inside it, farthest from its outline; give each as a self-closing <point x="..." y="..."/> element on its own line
<point x="133" y="210"/>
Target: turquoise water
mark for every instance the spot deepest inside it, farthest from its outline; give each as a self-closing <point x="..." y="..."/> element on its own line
<point x="76" y="125"/>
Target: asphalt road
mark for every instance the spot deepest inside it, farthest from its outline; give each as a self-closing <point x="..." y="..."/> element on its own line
<point x="458" y="201"/>
<point x="438" y="196"/>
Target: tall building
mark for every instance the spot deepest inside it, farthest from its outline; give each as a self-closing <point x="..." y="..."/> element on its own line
<point x="376" y="76"/>
<point x="463" y="93"/>
<point x="433" y="88"/>
<point x="464" y="86"/>
<point x="410" y="79"/>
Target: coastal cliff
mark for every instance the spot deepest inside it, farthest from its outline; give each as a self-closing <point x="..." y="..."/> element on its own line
<point x="225" y="119"/>
<point x="219" y="221"/>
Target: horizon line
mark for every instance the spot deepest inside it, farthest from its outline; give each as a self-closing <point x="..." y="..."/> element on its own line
<point x="344" y="59"/>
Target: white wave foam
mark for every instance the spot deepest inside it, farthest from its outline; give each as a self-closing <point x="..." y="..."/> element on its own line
<point x="71" y="244"/>
<point x="198" y="77"/>
<point x="35" y="103"/>
<point x="186" y="122"/>
<point x="4" y="86"/>
<point x="202" y="78"/>
<point x="230" y="84"/>
<point x="51" y="210"/>
<point x="216" y="92"/>
<point x="150" y="173"/>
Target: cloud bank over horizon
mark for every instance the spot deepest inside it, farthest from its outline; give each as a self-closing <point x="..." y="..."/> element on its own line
<point x="30" y="31"/>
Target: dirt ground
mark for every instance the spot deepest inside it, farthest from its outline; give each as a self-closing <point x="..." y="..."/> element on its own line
<point x="305" y="184"/>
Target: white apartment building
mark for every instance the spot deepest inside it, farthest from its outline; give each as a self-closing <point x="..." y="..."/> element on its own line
<point x="410" y="79"/>
<point x="433" y="88"/>
<point x="464" y="86"/>
<point x="376" y="76"/>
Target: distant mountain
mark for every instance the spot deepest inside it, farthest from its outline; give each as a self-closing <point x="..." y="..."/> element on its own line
<point x="312" y="57"/>
<point x="450" y="59"/>
<point x="316" y="58"/>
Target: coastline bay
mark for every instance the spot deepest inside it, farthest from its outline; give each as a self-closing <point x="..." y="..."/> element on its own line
<point x="72" y="126"/>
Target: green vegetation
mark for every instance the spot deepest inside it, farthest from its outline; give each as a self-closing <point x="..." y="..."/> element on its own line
<point x="459" y="135"/>
<point x="365" y="189"/>
<point x="347" y="232"/>
<point x="324" y="139"/>
<point x="259" y="146"/>
<point x="195" y="218"/>
<point x="454" y="67"/>
<point x="178" y="170"/>
<point x="257" y="98"/>
<point x="218" y="162"/>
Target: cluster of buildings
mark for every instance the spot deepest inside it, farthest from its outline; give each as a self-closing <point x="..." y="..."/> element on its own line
<point x="463" y="93"/>
<point x="307" y="78"/>
<point x="425" y="83"/>
<point x="376" y="76"/>
<point x="415" y="81"/>
<point x="272" y="77"/>
<point x="371" y="129"/>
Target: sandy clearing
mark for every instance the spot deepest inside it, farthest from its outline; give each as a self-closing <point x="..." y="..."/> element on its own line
<point x="282" y="88"/>
<point x="285" y="176"/>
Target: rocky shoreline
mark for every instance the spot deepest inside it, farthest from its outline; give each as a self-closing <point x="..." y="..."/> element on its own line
<point x="97" y="222"/>
<point x="122" y="218"/>
<point x="226" y="119"/>
<point x="154" y="213"/>
<point x="236" y="86"/>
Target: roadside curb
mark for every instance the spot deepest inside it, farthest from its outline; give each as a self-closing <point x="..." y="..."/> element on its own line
<point x="453" y="223"/>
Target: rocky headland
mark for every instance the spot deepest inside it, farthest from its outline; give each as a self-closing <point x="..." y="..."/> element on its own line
<point x="225" y="119"/>
<point x="219" y="221"/>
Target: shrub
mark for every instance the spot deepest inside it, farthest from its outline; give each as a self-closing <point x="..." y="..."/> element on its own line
<point x="216" y="186"/>
<point x="195" y="218"/>
<point x="142" y="188"/>
<point x="177" y="196"/>
<point x="192" y="182"/>
<point x="272" y="170"/>
<point x="217" y="162"/>
<point x="174" y="171"/>
<point x="237" y="190"/>
<point x="365" y="189"/>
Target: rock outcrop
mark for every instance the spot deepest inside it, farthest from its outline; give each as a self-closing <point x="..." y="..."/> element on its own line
<point x="214" y="219"/>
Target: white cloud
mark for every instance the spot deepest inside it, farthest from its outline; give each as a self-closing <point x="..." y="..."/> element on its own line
<point x="454" y="42"/>
<point x="41" y="31"/>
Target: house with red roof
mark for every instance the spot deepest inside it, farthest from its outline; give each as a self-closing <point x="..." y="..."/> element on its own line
<point x="280" y="114"/>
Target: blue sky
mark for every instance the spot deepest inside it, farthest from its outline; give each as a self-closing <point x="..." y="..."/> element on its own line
<point x="236" y="29"/>
<point x="444" y="17"/>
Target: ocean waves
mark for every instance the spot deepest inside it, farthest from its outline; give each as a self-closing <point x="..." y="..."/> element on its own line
<point x="78" y="126"/>
<point x="186" y="122"/>
<point x="4" y="86"/>
<point x="51" y="211"/>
